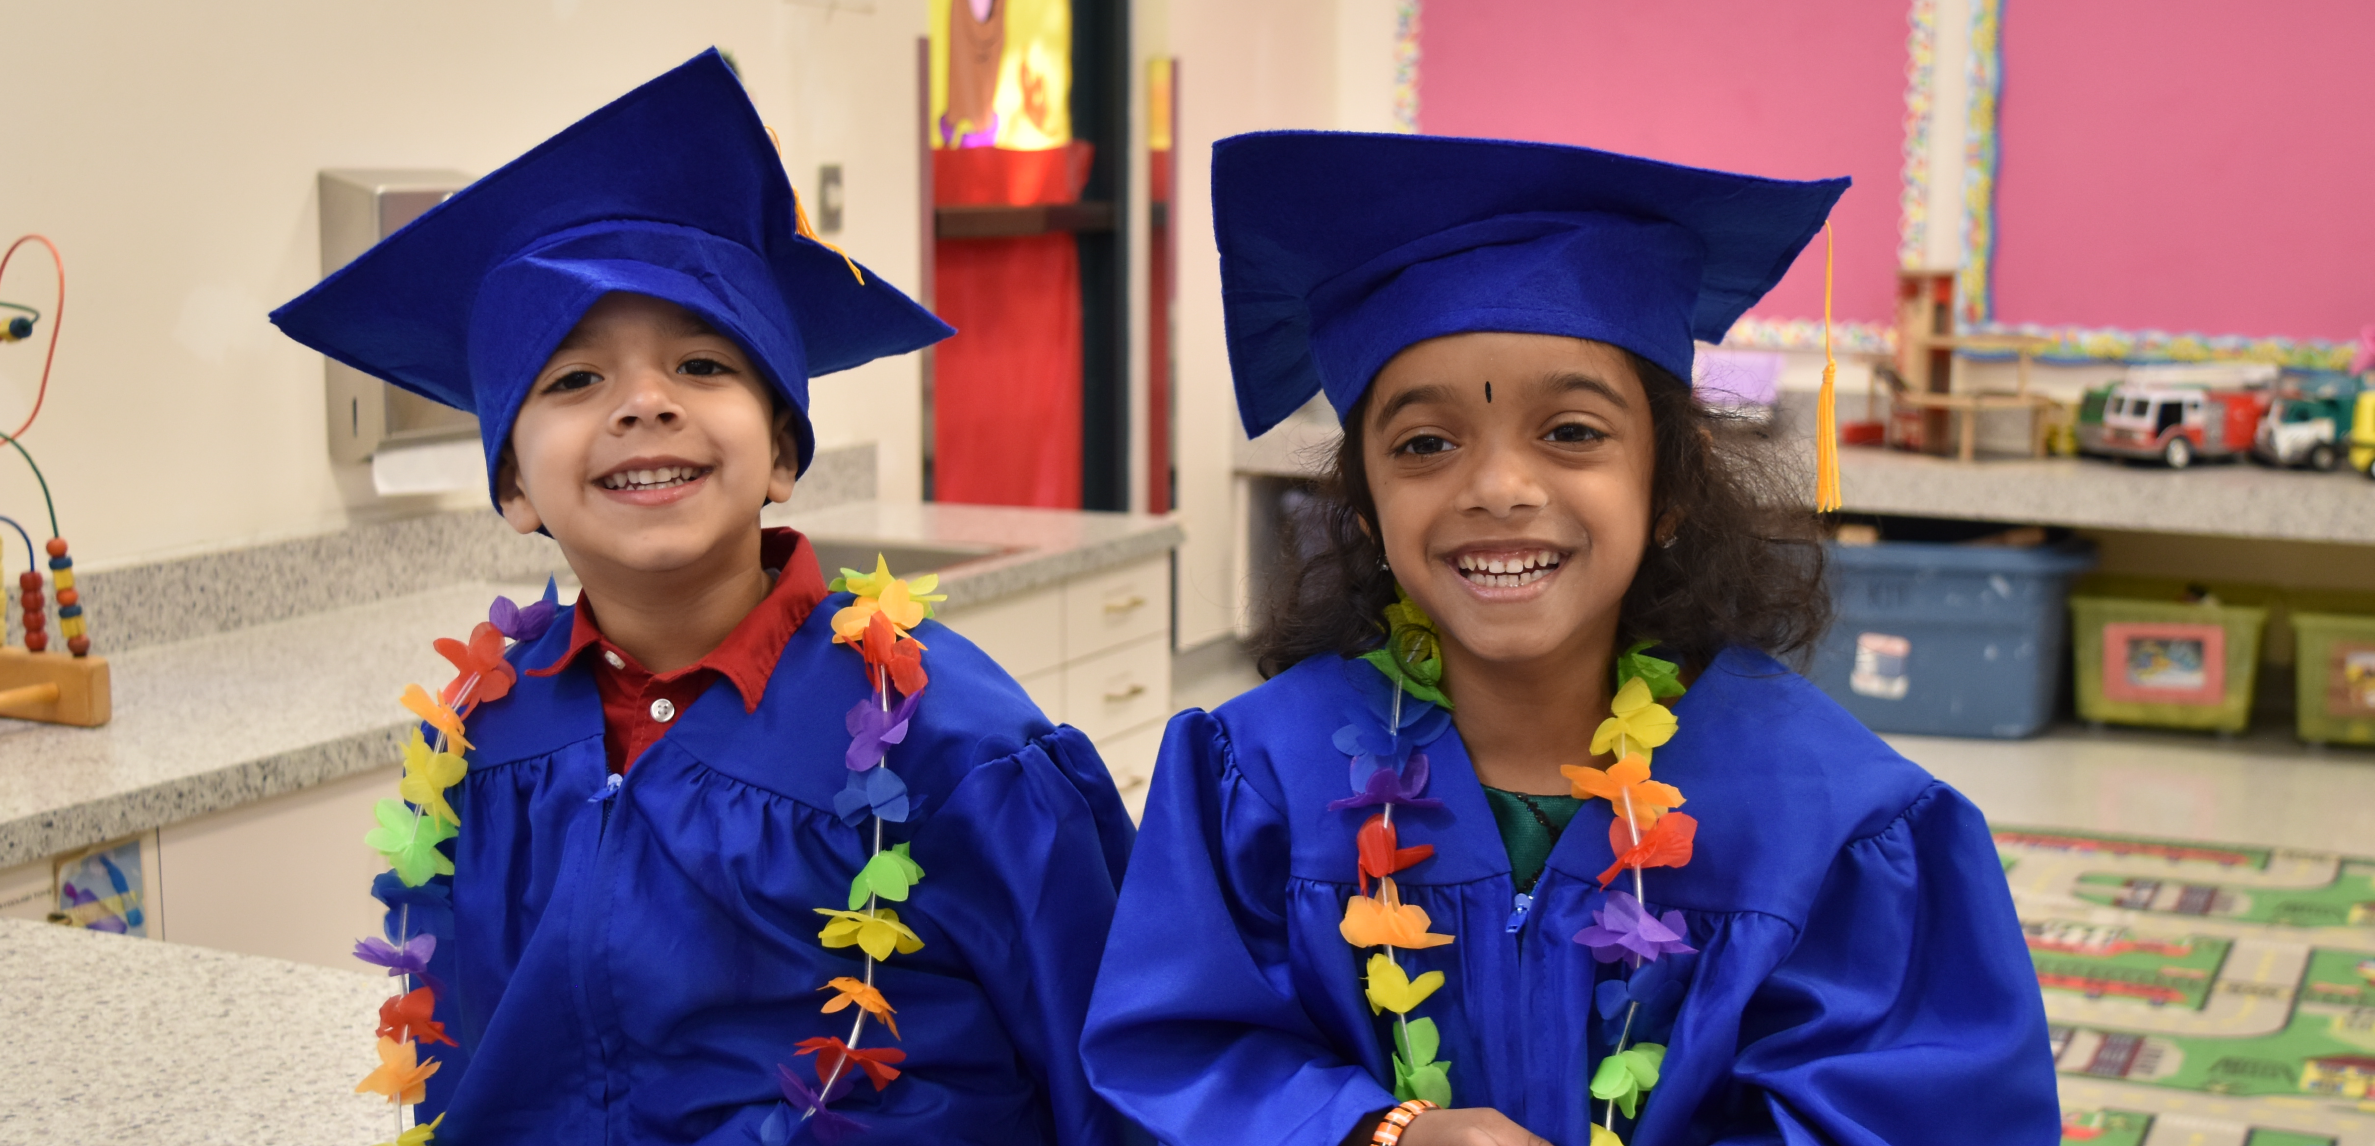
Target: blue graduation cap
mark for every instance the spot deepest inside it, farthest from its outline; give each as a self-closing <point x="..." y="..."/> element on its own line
<point x="674" y="191"/>
<point x="1339" y="250"/>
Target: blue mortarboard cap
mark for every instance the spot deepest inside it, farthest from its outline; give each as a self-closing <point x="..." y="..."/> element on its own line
<point x="674" y="191"/>
<point x="1340" y="250"/>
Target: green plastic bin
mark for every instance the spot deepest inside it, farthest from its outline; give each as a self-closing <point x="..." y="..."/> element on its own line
<point x="2334" y="667"/>
<point x="2142" y="655"/>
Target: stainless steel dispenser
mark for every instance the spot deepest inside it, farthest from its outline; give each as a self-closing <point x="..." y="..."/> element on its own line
<point x="359" y="208"/>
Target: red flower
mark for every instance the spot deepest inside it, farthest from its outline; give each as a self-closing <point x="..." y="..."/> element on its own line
<point x="407" y="1017"/>
<point x="1379" y="856"/>
<point x="886" y="649"/>
<point x="480" y="660"/>
<point x="876" y="1061"/>
<point x="1667" y="843"/>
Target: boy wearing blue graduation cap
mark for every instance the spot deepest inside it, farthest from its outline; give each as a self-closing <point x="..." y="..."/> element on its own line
<point x="740" y="856"/>
<point x="1529" y="837"/>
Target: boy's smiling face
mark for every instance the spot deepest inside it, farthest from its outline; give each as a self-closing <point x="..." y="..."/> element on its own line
<point x="1515" y="516"/>
<point x="647" y="443"/>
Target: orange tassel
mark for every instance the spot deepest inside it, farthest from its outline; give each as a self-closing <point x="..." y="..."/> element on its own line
<point x="1826" y="414"/>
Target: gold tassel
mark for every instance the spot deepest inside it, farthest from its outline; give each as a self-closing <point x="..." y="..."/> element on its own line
<point x="801" y="226"/>
<point x="1826" y="413"/>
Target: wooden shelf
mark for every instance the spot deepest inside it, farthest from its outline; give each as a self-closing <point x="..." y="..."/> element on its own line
<point x="1000" y="222"/>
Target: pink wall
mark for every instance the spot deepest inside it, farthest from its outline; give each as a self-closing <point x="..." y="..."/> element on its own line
<point x="1801" y="89"/>
<point x="2188" y="165"/>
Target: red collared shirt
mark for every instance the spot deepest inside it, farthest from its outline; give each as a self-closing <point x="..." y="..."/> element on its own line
<point x="639" y="707"/>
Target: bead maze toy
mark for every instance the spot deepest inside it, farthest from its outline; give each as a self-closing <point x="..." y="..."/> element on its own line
<point x="68" y="685"/>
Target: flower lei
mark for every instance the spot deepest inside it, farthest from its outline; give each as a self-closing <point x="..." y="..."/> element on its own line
<point x="410" y="828"/>
<point x="1388" y="770"/>
<point x="876" y="623"/>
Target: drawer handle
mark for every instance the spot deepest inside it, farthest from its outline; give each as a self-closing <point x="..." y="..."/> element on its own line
<point x="1124" y="605"/>
<point x="1131" y="693"/>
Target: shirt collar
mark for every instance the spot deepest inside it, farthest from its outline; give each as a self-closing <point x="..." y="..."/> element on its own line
<point x="748" y="654"/>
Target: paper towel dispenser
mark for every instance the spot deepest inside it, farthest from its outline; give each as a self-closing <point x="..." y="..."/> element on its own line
<point x="359" y="208"/>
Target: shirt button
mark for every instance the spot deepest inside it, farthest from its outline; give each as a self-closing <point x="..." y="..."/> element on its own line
<point x="613" y="659"/>
<point x="663" y="710"/>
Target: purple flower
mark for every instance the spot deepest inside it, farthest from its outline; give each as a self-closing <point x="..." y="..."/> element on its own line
<point x="526" y="624"/>
<point x="872" y="731"/>
<point x="803" y="1104"/>
<point x="410" y="959"/>
<point x="1374" y="783"/>
<point x="1626" y="930"/>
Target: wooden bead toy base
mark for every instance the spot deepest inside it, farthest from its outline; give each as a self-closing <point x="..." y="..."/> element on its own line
<point x="54" y="688"/>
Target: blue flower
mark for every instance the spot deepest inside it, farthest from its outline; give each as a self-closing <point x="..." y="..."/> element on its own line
<point x="1657" y="988"/>
<point x="873" y="792"/>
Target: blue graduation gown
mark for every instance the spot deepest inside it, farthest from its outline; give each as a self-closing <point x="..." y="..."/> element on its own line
<point x="633" y="969"/>
<point x="1861" y="977"/>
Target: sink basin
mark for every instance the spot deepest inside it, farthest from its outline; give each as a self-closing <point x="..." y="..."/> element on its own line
<point x="833" y="554"/>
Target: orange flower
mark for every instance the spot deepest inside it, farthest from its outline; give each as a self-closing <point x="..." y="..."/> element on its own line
<point x="879" y="1063"/>
<point x="1386" y="921"/>
<point x="1667" y="844"/>
<point x="849" y="990"/>
<point x="482" y="661"/>
<point x="1627" y="787"/>
<point x="887" y="649"/>
<point x="905" y="603"/>
<point x="399" y="1076"/>
<point x="438" y="716"/>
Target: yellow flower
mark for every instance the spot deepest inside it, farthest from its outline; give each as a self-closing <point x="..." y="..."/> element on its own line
<point x="1392" y="989"/>
<point x="1638" y="719"/>
<point x="427" y="775"/>
<point x="879" y="932"/>
<point x="1603" y="1136"/>
<point x="904" y="604"/>
<point x="418" y="1135"/>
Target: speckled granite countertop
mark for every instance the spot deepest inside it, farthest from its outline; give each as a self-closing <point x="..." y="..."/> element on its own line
<point x="219" y="721"/>
<point x="126" y="1040"/>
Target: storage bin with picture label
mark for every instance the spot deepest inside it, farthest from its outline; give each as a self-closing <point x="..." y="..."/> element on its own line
<point x="2165" y="653"/>
<point x="2334" y="667"/>
<point x="1948" y="640"/>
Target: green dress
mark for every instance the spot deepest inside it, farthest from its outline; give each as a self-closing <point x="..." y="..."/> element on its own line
<point x="1530" y="827"/>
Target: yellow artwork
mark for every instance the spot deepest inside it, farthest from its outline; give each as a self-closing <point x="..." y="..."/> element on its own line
<point x="1001" y="74"/>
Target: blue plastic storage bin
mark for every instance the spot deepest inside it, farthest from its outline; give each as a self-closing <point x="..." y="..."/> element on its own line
<point x="1948" y="640"/>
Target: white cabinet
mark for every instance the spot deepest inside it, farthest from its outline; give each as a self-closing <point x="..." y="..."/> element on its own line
<point x="287" y="876"/>
<point x="1094" y="652"/>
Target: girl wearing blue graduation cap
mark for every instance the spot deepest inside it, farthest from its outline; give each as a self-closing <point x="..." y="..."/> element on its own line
<point x="725" y="854"/>
<point x="1529" y="837"/>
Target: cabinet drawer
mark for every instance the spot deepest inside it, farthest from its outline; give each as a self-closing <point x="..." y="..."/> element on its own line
<point x="1121" y="689"/>
<point x="1130" y="757"/>
<point x="1025" y="634"/>
<point x="1047" y="691"/>
<point x="1104" y="610"/>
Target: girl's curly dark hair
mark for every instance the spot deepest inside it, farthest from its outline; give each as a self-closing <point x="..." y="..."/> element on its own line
<point x="1745" y="566"/>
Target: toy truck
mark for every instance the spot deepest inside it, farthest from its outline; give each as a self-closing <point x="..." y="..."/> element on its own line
<point x="2181" y="413"/>
<point x="2308" y="424"/>
<point x="2180" y="425"/>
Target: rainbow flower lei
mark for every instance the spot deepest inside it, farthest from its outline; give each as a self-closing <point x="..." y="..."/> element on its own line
<point x="1388" y="770"/>
<point x="410" y="828"/>
<point x="876" y="624"/>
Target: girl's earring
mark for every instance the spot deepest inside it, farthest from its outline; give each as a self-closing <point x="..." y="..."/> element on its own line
<point x="1667" y="542"/>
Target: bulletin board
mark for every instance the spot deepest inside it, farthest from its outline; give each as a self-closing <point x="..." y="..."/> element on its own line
<point x="2182" y="178"/>
<point x="1803" y="90"/>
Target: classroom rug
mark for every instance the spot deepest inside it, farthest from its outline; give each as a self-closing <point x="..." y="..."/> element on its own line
<point x="2201" y="994"/>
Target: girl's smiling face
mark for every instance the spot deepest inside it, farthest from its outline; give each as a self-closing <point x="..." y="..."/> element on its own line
<point x="1512" y="477"/>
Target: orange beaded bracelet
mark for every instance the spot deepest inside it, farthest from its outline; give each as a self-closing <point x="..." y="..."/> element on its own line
<point x="1389" y="1129"/>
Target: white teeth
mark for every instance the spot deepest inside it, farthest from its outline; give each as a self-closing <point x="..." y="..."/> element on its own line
<point x="653" y="478"/>
<point x="1508" y="572"/>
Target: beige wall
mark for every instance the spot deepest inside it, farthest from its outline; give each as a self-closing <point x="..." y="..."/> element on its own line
<point x="170" y="149"/>
<point x="1246" y="65"/>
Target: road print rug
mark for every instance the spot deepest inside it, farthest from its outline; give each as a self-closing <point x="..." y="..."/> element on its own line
<point x="2201" y="994"/>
